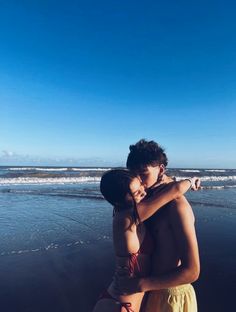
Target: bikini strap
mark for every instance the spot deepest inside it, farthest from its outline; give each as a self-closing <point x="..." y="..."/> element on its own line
<point x="107" y="295"/>
<point x="133" y="262"/>
<point x="127" y="306"/>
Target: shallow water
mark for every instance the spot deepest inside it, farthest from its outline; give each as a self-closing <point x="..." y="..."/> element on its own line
<point x="36" y="217"/>
<point x="33" y="220"/>
<point x="56" y="240"/>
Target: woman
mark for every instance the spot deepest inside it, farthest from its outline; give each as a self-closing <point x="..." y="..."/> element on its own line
<point x="132" y="243"/>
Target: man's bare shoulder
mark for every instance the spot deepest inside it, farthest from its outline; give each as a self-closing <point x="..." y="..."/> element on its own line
<point x="180" y="211"/>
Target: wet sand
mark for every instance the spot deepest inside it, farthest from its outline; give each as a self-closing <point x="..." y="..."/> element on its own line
<point x="55" y="280"/>
<point x="70" y="279"/>
<point x="217" y="240"/>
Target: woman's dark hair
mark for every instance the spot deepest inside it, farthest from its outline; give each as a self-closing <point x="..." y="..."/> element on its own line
<point x="115" y="187"/>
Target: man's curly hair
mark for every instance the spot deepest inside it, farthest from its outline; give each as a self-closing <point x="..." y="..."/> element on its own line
<point x="145" y="153"/>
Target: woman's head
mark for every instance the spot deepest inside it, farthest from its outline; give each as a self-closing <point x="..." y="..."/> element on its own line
<point x="122" y="188"/>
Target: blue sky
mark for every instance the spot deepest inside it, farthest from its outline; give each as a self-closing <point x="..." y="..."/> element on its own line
<point x="82" y="80"/>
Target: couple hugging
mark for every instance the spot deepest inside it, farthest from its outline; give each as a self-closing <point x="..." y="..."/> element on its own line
<point x="153" y="235"/>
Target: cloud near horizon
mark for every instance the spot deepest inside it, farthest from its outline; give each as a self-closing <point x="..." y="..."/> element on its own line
<point x="6" y="153"/>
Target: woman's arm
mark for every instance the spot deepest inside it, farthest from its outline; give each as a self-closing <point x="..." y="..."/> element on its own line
<point x="171" y="191"/>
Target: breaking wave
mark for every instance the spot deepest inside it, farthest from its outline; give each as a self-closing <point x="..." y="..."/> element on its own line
<point x="61" y="180"/>
<point x="189" y="170"/>
<point x="55" y="169"/>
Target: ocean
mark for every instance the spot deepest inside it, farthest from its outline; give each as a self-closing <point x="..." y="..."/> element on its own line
<point x="56" y="237"/>
<point x="52" y="207"/>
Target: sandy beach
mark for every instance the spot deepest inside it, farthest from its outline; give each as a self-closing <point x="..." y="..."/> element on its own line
<point x="56" y="280"/>
<point x="70" y="279"/>
<point x="217" y="239"/>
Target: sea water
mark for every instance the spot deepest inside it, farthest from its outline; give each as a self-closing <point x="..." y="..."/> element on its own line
<point x="43" y="208"/>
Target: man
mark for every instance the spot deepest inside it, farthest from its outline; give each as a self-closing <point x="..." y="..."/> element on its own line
<point x="175" y="262"/>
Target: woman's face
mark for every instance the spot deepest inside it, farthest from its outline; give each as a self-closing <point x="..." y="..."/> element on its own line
<point x="137" y="190"/>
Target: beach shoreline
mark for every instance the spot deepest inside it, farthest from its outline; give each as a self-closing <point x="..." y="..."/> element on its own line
<point x="71" y="279"/>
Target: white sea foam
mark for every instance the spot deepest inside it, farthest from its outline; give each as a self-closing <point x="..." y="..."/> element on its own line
<point x="52" y="246"/>
<point x="90" y="169"/>
<point x="33" y="181"/>
<point x="215" y="170"/>
<point x="189" y="170"/>
<point x="37" y="169"/>
<point x="56" y="169"/>
<point x="20" y="168"/>
<point x="214" y="187"/>
<point x="89" y="179"/>
<point x="50" y="169"/>
<point x="212" y="178"/>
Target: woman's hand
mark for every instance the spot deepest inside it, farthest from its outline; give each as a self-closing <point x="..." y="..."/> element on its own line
<point x="195" y="184"/>
<point x="162" y="183"/>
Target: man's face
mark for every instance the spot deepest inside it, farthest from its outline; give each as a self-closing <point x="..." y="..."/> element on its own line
<point x="150" y="175"/>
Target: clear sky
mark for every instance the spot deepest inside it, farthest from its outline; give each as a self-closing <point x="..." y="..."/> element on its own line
<point x="82" y="80"/>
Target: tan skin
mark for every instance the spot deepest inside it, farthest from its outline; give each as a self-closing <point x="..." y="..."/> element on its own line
<point x="176" y="258"/>
<point x="128" y="236"/>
